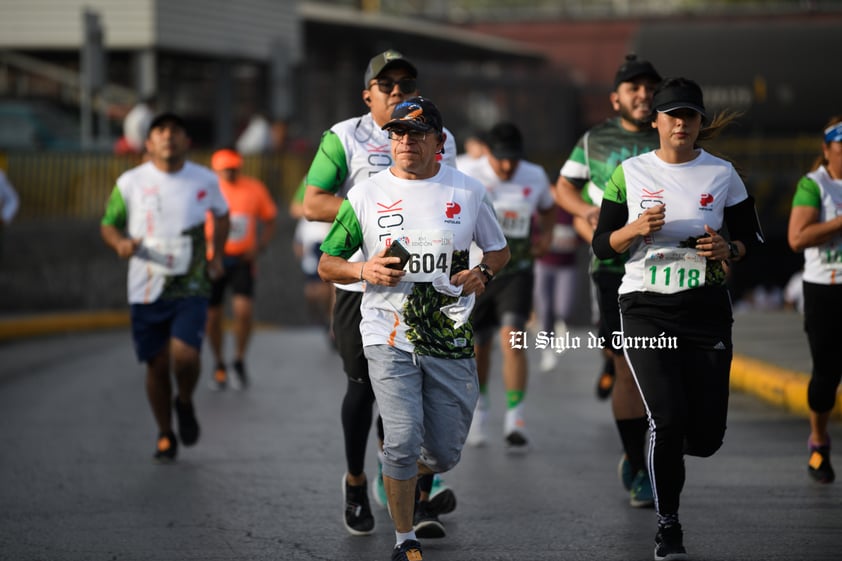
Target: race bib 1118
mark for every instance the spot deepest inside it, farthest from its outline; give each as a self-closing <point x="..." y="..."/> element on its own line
<point x="674" y="269"/>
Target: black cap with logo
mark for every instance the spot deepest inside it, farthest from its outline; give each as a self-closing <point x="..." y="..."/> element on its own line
<point x="416" y="113"/>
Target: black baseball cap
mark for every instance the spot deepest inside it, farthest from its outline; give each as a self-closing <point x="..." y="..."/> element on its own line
<point x="678" y="93"/>
<point x="416" y="113"/>
<point x="164" y="118"/>
<point x="505" y="142"/>
<point x="633" y="68"/>
<point x="385" y="60"/>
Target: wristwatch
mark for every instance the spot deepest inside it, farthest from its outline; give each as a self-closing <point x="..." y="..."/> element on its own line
<point x="486" y="270"/>
<point x="733" y="251"/>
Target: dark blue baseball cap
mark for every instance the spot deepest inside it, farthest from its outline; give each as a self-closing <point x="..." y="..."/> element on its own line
<point x="416" y="113"/>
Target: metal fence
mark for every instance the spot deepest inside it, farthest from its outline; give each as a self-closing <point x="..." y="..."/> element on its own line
<point x="77" y="185"/>
<point x="64" y="185"/>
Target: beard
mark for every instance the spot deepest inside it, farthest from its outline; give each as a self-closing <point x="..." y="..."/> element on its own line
<point x="626" y="115"/>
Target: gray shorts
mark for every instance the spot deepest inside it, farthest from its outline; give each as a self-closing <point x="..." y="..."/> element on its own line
<point x="427" y="405"/>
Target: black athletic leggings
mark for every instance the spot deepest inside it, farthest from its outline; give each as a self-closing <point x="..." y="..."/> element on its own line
<point x="683" y="379"/>
<point x="359" y="397"/>
<point x="822" y="310"/>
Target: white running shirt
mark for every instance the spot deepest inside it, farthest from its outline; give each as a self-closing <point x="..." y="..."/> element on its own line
<point x="167" y="211"/>
<point x="695" y="194"/>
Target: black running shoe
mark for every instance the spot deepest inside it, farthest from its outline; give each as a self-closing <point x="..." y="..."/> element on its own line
<point x="818" y="466"/>
<point x="240" y="371"/>
<point x="605" y="382"/>
<point x="442" y="502"/>
<point x="188" y="426"/>
<point x="410" y="550"/>
<point x="357" y="517"/>
<point x="669" y="544"/>
<point x="166" y="449"/>
<point x="425" y="523"/>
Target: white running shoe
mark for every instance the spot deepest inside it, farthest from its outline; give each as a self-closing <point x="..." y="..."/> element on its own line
<point x="478" y="434"/>
<point x="549" y="360"/>
<point x="514" y="430"/>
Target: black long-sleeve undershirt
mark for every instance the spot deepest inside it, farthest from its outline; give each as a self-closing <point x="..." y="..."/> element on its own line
<point x="740" y="219"/>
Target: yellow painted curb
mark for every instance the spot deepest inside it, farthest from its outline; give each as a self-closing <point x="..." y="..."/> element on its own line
<point x="19" y="328"/>
<point x="49" y="324"/>
<point x="780" y="387"/>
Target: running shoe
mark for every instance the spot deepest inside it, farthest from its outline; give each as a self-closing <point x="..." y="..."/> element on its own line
<point x="549" y="360"/>
<point x="640" y="494"/>
<point x="818" y="466"/>
<point x="188" y="426"/>
<point x="410" y="550"/>
<point x="442" y="497"/>
<point x="425" y="523"/>
<point x="378" y="491"/>
<point x="514" y="430"/>
<point x="166" y="449"/>
<point x="605" y="381"/>
<point x="669" y="544"/>
<point x="220" y="378"/>
<point x="242" y="378"/>
<point x="625" y="473"/>
<point x="357" y="517"/>
<point x="478" y="433"/>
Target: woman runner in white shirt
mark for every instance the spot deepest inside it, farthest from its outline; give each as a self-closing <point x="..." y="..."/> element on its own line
<point x="668" y="207"/>
<point x="815" y="227"/>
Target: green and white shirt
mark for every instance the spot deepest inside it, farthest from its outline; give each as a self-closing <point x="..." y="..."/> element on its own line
<point x="595" y="157"/>
<point x="695" y="194"/>
<point x="353" y="150"/>
<point x="515" y="202"/>
<point x="435" y="219"/>
<point x="823" y="263"/>
<point x="167" y="211"/>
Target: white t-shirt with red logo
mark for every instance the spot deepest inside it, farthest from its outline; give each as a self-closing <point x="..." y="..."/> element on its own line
<point x="695" y="194"/>
<point x="436" y="219"/>
<point x="167" y="212"/>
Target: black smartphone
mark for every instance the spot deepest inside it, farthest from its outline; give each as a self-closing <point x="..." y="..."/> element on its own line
<point x="396" y="249"/>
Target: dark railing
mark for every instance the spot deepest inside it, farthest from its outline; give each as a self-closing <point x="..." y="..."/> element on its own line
<point x="77" y="185"/>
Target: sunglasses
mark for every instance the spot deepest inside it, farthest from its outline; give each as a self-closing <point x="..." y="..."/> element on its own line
<point x="406" y="85"/>
<point x="415" y="136"/>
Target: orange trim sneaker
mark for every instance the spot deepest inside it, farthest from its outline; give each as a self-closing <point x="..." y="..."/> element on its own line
<point x="410" y="550"/>
<point x="220" y="378"/>
<point x="605" y="381"/>
<point x="818" y="466"/>
<point x="166" y="448"/>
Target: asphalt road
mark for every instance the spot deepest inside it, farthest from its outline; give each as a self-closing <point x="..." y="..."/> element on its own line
<point x="77" y="481"/>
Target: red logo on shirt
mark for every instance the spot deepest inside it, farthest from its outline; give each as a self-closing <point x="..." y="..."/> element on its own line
<point x="452" y="209"/>
<point x="526" y="191"/>
<point x="201" y="195"/>
<point x="706" y="199"/>
<point x="390" y="208"/>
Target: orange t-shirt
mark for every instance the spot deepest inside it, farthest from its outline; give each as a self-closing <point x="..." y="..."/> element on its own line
<point x="248" y="203"/>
